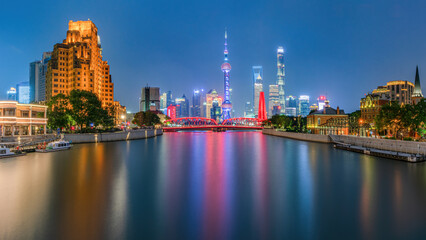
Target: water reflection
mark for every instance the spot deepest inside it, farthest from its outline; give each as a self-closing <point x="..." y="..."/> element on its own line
<point x="234" y="185"/>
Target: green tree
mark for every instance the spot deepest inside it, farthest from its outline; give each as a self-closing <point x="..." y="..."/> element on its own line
<point x="147" y="118"/>
<point x="419" y="119"/>
<point x="354" y="122"/>
<point x="390" y="117"/>
<point x="58" y="112"/>
<point x="86" y="108"/>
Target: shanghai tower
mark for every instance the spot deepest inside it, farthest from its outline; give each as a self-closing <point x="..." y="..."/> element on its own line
<point x="226" y="68"/>
<point x="280" y="77"/>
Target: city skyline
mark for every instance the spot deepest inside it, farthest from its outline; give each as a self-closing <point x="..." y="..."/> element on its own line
<point x="319" y="61"/>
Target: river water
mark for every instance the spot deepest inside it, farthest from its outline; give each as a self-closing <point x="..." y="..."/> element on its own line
<point x="198" y="185"/>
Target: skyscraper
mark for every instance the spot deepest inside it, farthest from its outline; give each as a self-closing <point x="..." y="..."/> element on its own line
<point x="274" y="98"/>
<point x="258" y="87"/>
<point x="184" y="106"/>
<point x="41" y="88"/>
<point x="304" y="105"/>
<point x="23" y="92"/>
<point x="212" y="96"/>
<point x="321" y="102"/>
<point x="291" y="106"/>
<point x="77" y="63"/>
<point x="280" y="76"/>
<point x="248" y="111"/>
<point x="150" y="99"/>
<point x="226" y="68"/>
<point x="163" y="101"/>
<point x="11" y="94"/>
<point x="256" y="72"/>
<point x="34" y="80"/>
<point x="197" y="103"/>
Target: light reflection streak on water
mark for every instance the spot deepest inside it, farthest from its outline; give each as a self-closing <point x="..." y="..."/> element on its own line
<point x="306" y="195"/>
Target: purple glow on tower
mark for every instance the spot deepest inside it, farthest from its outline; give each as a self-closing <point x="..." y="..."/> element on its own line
<point x="226" y="68"/>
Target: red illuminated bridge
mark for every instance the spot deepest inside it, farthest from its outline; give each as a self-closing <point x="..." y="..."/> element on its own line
<point x="199" y="123"/>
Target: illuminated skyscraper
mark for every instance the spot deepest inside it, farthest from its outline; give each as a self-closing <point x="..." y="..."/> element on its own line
<point x="34" y="80"/>
<point x="256" y="72"/>
<point x="183" y="102"/>
<point x="258" y="88"/>
<point x="196" y="103"/>
<point x="163" y="101"/>
<point x="304" y="105"/>
<point x="226" y="68"/>
<point x="274" y="99"/>
<point x="211" y="97"/>
<point x="77" y="63"/>
<point x="150" y="99"/>
<point x="23" y="92"/>
<point x="11" y="94"/>
<point x="321" y="102"/>
<point x="43" y="73"/>
<point x="248" y="111"/>
<point x="281" y="76"/>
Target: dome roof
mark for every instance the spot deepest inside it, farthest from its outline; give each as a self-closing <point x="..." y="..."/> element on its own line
<point x="226" y="67"/>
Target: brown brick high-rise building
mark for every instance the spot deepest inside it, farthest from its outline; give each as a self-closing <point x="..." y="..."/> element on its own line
<point x="77" y="63"/>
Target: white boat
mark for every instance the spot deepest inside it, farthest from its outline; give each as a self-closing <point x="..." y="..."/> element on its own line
<point x="5" y="152"/>
<point x="54" y="146"/>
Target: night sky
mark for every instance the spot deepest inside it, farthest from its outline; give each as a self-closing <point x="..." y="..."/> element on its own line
<point x="342" y="49"/>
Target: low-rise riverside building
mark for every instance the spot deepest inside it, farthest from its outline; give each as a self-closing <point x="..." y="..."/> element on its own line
<point x="18" y="119"/>
<point x="328" y="121"/>
<point x="371" y="104"/>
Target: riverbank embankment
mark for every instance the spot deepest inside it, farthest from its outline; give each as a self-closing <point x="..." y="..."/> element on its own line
<point x="394" y="149"/>
<point x="111" y="137"/>
<point x="299" y="136"/>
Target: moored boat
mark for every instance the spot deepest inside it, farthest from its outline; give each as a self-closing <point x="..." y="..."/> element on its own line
<point x="6" y="153"/>
<point x="54" y="146"/>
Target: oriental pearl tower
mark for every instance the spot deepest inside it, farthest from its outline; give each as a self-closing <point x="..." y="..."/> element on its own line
<point x="226" y="68"/>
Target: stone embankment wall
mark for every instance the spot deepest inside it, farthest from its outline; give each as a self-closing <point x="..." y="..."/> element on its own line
<point x="383" y="144"/>
<point x="110" y="137"/>
<point x="298" y="136"/>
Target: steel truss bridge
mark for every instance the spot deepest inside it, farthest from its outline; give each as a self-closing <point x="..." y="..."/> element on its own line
<point x="200" y="123"/>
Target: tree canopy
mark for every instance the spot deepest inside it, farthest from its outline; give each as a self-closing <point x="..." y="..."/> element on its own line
<point x="80" y="108"/>
<point x="147" y="118"/>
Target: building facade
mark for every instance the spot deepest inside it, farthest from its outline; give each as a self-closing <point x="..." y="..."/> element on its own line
<point x="22" y="119"/>
<point x="328" y="121"/>
<point x="400" y="91"/>
<point x="371" y="104"/>
<point x="150" y="99"/>
<point x="77" y="63"/>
